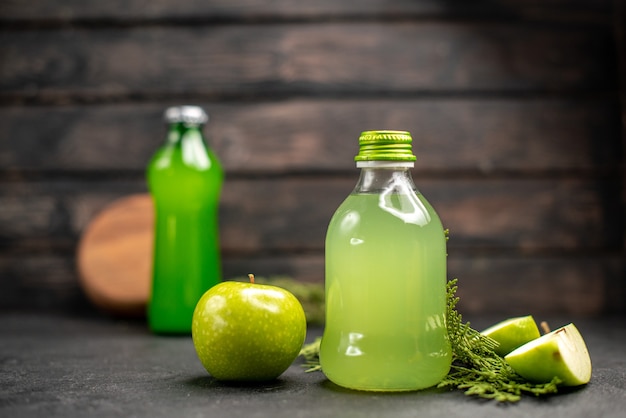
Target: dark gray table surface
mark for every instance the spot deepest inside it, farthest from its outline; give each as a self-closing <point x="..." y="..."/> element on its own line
<point x="53" y="366"/>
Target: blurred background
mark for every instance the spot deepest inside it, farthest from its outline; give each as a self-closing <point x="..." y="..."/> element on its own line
<point x="516" y="109"/>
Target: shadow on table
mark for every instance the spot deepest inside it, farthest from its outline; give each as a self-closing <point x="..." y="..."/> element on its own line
<point x="207" y="382"/>
<point x="328" y="385"/>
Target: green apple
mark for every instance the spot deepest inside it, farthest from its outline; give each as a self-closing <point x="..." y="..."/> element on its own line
<point x="561" y="353"/>
<point x="247" y="331"/>
<point x="512" y="333"/>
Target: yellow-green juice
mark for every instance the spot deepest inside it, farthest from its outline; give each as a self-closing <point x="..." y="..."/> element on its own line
<point x="385" y="294"/>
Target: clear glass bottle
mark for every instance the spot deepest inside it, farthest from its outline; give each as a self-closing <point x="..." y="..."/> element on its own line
<point x="185" y="180"/>
<point x="385" y="277"/>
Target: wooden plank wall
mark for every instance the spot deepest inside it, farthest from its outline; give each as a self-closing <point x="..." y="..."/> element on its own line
<point x="514" y="106"/>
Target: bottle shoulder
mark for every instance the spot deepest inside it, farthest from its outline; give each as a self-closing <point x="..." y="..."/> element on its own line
<point x="173" y="158"/>
<point x="411" y="209"/>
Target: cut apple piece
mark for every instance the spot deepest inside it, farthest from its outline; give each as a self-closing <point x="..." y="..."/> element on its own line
<point x="512" y="333"/>
<point x="561" y="353"/>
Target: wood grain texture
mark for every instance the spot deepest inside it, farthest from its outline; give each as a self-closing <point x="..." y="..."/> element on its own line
<point x="71" y="10"/>
<point x="579" y="286"/>
<point x="315" y="59"/>
<point x="317" y="135"/>
<point x="291" y="215"/>
<point x="514" y="106"/>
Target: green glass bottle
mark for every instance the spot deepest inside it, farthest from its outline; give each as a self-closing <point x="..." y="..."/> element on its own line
<point x="385" y="277"/>
<point x="185" y="180"/>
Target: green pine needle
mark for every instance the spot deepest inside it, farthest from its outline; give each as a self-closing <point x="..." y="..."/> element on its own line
<point x="476" y="368"/>
<point x="311" y="354"/>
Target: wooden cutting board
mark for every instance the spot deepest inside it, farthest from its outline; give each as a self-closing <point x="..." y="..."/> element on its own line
<point x="114" y="256"/>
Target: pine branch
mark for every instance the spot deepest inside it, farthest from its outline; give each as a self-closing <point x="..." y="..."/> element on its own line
<point x="476" y="368"/>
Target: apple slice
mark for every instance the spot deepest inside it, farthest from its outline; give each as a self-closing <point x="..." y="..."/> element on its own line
<point x="512" y="333"/>
<point x="561" y="353"/>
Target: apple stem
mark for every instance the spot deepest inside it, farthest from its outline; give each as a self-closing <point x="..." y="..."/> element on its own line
<point x="251" y="276"/>
<point x="545" y="327"/>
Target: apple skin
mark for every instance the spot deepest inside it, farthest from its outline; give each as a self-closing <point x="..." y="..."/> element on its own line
<point x="561" y="353"/>
<point x="247" y="331"/>
<point x="512" y="333"/>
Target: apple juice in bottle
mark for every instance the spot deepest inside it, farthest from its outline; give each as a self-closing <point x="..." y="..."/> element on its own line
<point x="185" y="179"/>
<point x="385" y="277"/>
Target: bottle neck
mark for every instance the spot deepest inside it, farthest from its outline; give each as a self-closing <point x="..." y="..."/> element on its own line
<point x="178" y="131"/>
<point x="385" y="176"/>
